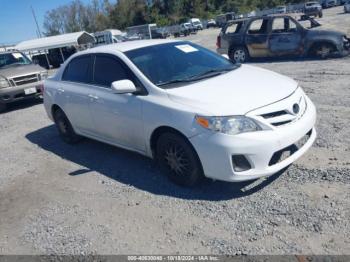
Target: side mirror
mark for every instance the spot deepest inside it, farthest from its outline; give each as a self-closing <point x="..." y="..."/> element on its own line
<point x="123" y="87"/>
<point x="226" y="56"/>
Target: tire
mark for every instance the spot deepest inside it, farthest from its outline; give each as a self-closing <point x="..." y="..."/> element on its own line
<point x="2" y="107"/>
<point x="320" y="15"/>
<point x="322" y="50"/>
<point x="178" y="160"/>
<point x="65" y="128"/>
<point x="239" y="55"/>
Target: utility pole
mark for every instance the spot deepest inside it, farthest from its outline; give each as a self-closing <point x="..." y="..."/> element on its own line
<point x="36" y="21"/>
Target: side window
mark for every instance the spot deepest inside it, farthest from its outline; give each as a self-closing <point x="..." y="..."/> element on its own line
<point x="258" y="26"/>
<point x="283" y="25"/>
<point x="234" y="28"/>
<point x="107" y="70"/>
<point x="278" y="25"/>
<point x="78" y="70"/>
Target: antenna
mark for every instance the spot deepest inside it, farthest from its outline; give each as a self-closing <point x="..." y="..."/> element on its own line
<point x="36" y="22"/>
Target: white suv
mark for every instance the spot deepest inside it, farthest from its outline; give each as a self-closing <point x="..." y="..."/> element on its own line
<point x="191" y="109"/>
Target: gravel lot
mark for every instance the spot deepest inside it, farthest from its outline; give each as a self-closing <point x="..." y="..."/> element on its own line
<point x="96" y="199"/>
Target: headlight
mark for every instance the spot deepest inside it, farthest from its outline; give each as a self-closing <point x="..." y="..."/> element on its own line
<point x="231" y="125"/>
<point x="43" y="75"/>
<point x="3" y="82"/>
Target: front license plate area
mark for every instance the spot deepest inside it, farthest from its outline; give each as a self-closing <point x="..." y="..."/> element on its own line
<point x="30" y="91"/>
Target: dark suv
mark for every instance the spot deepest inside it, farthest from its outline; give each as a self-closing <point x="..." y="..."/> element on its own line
<point x="275" y="36"/>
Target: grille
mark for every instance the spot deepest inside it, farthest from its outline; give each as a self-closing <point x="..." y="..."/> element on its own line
<point x="285" y="153"/>
<point x="22" y="80"/>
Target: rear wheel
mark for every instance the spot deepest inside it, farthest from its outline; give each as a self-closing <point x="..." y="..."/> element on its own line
<point x="320" y="15"/>
<point x="239" y="55"/>
<point x="65" y="128"/>
<point x="178" y="160"/>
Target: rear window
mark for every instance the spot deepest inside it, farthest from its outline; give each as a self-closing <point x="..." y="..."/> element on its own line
<point x="78" y="70"/>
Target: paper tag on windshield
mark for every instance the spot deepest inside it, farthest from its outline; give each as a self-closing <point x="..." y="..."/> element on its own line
<point x="17" y="55"/>
<point x="186" y="48"/>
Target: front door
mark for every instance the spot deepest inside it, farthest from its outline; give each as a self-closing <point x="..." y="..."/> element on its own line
<point x="285" y="38"/>
<point x="117" y="117"/>
<point x="257" y="37"/>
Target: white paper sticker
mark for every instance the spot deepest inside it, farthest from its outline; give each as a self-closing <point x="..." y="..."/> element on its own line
<point x="186" y="48"/>
<point x="17" y="55"/>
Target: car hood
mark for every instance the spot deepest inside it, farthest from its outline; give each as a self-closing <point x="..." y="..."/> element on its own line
<point x="20" y="70"/>
<point x="234" y="93"/>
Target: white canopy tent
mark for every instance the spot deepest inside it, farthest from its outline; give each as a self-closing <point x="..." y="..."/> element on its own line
<point x="58" y="41"/>
<point x="52" y="42"/>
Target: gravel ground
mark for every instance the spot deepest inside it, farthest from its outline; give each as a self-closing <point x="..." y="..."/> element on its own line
<point x="96" y="199"/>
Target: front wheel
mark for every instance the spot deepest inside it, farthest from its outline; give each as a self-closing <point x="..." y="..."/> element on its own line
<point x="323" y="50"/>
<point x="239" y="55"/>
<point x="65" y="128"/>
<point x="320" y="15"/>
<point x="178" y="160"/>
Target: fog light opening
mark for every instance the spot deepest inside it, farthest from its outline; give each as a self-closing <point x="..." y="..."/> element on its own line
<point x="240" y="163"/>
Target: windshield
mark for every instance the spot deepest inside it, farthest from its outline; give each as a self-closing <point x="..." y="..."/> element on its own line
<point x="169" y="65"/>
<point x="15" y="58"/>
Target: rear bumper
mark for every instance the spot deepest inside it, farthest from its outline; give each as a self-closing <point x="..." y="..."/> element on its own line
<point x="12" y="94"/>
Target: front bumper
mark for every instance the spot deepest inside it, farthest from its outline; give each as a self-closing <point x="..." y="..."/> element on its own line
<point x="16" y="93"/>
<point x="215" y="150"/>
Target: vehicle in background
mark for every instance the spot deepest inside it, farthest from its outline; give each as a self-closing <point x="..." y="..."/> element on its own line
<point x="276" y="36"/>
<point x="211" y="23"/>
<point x="221" y="20"/>
<point x="193" y="111"/>
<point x="159" y="33"/>
<point x="347" y="7"/>
<point x="281" y="9"/>
<point x="19" y="78"/>
<point x="55" y="56"/>
<point x="196" y="23"/>
<point x="107" y="37"/>
<point x="313" y="9"/>
<point x="329" y="3"/>
<point x="180" y="30"/>
<point x="193" y="30"/>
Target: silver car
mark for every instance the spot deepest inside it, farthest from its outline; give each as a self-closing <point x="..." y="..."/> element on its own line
<point x="19" y="78"/>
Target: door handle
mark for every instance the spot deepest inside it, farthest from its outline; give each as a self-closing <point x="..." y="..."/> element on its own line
<point x="60" y="90"/>
<point x="93" y="97"/>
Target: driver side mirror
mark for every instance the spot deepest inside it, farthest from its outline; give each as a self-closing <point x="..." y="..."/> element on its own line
<point x="123" y="87"/>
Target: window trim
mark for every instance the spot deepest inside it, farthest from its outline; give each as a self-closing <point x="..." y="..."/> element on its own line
<point x="89" y="70"/>
<point x="143" y="91"/>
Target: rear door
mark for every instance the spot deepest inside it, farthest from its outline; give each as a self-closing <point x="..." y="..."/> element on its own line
<point x="285" y="38"/>
<point x="257" y="36"/>
<point x="76" y="89"/>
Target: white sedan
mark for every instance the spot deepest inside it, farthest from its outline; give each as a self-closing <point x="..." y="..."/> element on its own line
<point x="189" y="108"/>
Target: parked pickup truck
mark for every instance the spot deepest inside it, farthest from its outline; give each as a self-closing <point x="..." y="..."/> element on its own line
<point x="275" y="36"/>
<point x="19" y="78"/>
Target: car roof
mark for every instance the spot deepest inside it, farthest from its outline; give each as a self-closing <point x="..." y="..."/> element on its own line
<point x="130" y="45"/>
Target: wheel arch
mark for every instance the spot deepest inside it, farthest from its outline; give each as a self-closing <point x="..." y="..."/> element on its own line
<point x="316" y="43"/>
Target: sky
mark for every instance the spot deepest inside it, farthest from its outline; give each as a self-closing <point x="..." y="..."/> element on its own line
<point x="16" y="20"/>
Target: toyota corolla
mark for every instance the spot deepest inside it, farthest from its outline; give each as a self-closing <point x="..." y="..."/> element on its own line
<point x="195" y="112"/>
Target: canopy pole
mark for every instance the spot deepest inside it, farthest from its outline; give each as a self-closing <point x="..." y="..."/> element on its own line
<point x="62" y="54"/>
<point x="47" y="60"/>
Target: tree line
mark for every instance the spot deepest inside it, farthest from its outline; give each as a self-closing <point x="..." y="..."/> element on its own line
<point x="102" y="14"/>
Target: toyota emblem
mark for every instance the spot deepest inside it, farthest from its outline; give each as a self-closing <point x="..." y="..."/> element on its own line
<point x="296" y="109"/>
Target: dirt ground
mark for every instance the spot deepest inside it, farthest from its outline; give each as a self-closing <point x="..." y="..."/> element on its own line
<point x="92" y="198"/>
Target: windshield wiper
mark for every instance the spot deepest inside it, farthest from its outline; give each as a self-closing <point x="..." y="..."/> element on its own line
<point x="210" y="73"/>
<point x="175" y="81"/>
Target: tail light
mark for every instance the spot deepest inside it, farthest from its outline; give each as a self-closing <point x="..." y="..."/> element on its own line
<point x="218" y="42"/>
